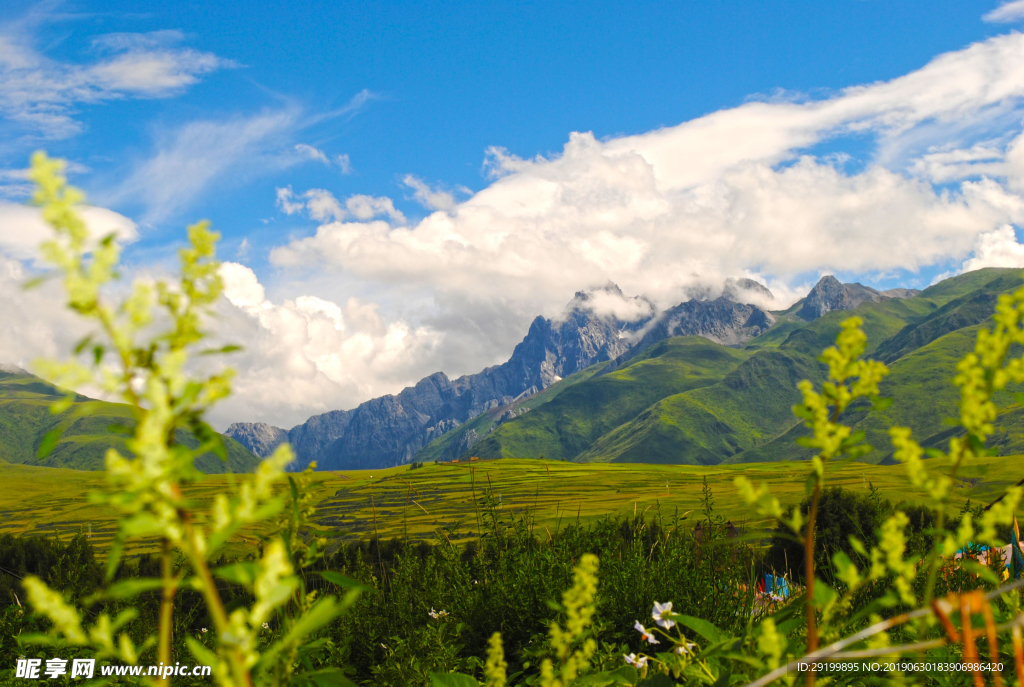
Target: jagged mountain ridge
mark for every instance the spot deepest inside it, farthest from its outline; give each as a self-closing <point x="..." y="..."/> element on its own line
<point x="830" y="294"/>
<point x="391" y="429"/>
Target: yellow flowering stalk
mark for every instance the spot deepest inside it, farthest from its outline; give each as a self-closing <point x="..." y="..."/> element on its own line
<point x="982" y="373"/>
<point x="150" y="373"/>
<point x="578" y="602"/>
<point x="849" y="378"/>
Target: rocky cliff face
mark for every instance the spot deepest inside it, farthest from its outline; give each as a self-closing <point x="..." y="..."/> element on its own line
<point x="258" y="437"/>
<point x="830" y="294"/>
<point x="721" y="320"/>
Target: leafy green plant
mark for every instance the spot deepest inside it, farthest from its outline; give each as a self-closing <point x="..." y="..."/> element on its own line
<point x="140" y="353"/>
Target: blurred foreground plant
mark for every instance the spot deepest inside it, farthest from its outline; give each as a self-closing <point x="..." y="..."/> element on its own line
<point x="139" y="353"/>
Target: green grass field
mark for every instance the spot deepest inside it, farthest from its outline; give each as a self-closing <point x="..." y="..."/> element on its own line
<point x="438" y="498"/>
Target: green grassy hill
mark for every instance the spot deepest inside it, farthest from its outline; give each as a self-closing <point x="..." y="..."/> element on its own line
<point x="672" y="405"/>
<point x="750" y="406"/>
<point x="569" y="424"/>
<point x="25" y="418"/>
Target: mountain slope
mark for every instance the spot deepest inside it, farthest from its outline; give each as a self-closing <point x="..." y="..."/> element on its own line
<point x="568" y="425"/>
<point x="751" y="405"/>
<point x="459" y="441"/>
<point x="25" y="419"/>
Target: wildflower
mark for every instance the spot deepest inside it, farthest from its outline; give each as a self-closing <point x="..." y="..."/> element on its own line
<point x="204" y="630"/>
<point x="644" y="634"/>
<point x="443" y="614"/>
<point x="685" y="648"/>
<point x="660" y="611"/>
<point x="266" y="626"/>
<point x="433" y="614"/>
<point x="634" y="660"/>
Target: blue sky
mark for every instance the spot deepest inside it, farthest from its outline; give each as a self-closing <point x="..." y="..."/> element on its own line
<point x="409" y="174"/>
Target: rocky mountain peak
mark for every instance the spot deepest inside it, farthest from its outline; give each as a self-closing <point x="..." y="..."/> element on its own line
<point x="258" y="437"/>
<point x="830" y="294"/>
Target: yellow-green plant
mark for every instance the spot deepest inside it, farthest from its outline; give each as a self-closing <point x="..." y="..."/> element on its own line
<point x="850" y="377"/>
<point x="139" y="353"/>
<point x="988" y="369"/>
<point x="571" y="646"/>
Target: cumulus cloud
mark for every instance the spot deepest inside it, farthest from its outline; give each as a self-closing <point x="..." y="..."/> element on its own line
<point x="308" y="355"/>
<point x="724" y="195"/>
<point x="998" y="248"/>
<point x="22" y="228"/>
<point x="41" y="94"/>
<point x="663" y="214"/>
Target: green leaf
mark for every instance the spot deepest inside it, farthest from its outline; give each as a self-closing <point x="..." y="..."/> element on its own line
<point x="626" y="675"/>
<point x="879" y="404"/>
<point x="979" y="569"/>
<point x="49" y="441"/>
<point x="35" y="282"/>
<point x="322" y="613"/>
<point x="240" y="573"/>
<point x="328" y="677"/>
<point x="657" y="680"/>
<point x="127" y="589"/>
<point x="701" y="627"/>
<point x="823" y="594"/>
<point x="114" y="556"/>
<point x="230" y="348"/>
<point x="851" y="440"/>
<point x="81" y="345"/>
<point x="452" y="680"/>
<point x="203" y="655"/>
<point x="342" y="581"/>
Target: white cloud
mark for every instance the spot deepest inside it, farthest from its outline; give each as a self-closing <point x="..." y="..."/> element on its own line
<point x="37" y="323"/>
<point x="308" y="355"/>
<point x="724" y="195"/>
<point x="1007" y="12"/>
<point x="321" y="205"/>
<point x="730" y="194"/>
<point x="189" y="158"/>
<point x="997" y="248"/>
<point x="344" y="164"/>
<point x="430" y="198"/>
<point x="41" y="94"/>
<point x="312" y="153"/>
<point x="22" y="228"/>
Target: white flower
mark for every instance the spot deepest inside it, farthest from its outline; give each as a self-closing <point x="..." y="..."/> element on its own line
<point x="644" y="634"/>
<point x="266" y="626"/>
<point x="685" y="648"/>
<point x="658" y="613"/>
<point x="204" y="630"/>
<point x="433" y="614"/>
<point x="442" y="614"/>
<point x="634" y="660"/>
